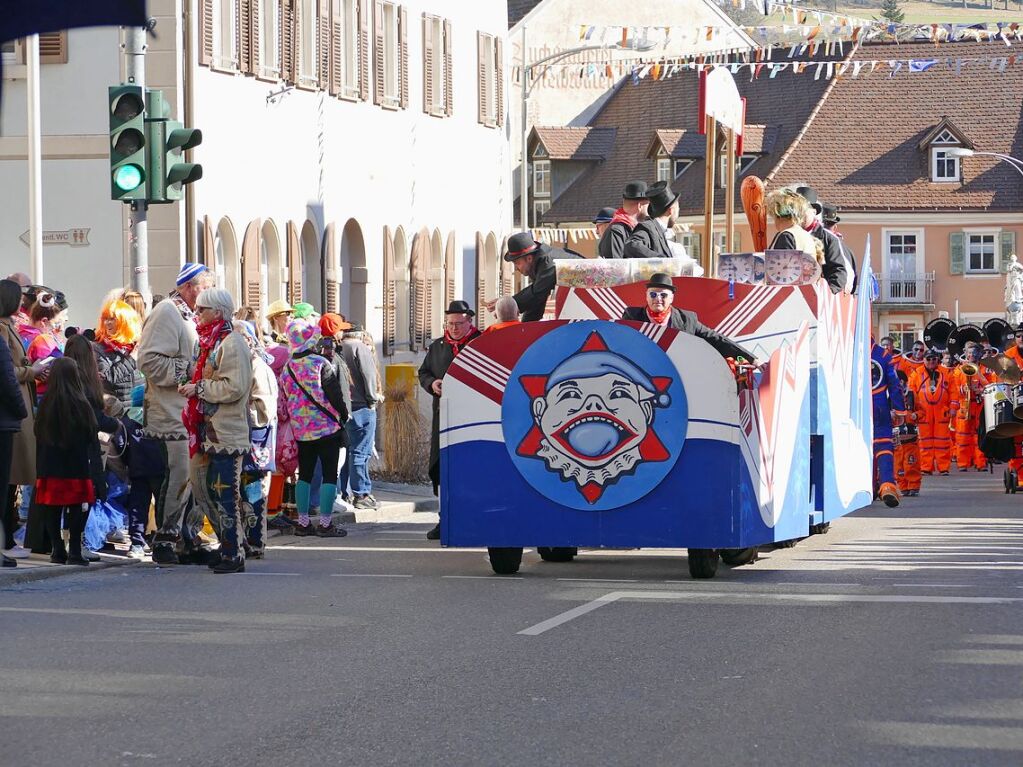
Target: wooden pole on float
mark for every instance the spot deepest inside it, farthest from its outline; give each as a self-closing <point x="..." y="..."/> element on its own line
<point x="730" y="194"/>
<point x="710" y="155"/>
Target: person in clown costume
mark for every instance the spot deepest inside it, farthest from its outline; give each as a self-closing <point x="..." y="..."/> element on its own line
<point x="889" y="405"/>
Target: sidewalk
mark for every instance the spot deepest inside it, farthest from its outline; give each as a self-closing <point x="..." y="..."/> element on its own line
<point x="398" y="503"/>
<point x="38" y="567"/>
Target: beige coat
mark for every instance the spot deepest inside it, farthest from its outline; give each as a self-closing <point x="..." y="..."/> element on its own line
<point x="165" y="352"/>
<point x="224" y="391"/>
<point x="23" y="464"/>
<point x="263" y="395"/>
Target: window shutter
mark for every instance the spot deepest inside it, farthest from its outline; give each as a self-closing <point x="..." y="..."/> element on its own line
<point x="449" y="271"/>
<point x="481" y="281"/>
<point x="328" y="258"/>
<point x="1007" y="247"/>
<point x="251" y="289"/>
<point x="428" y="64"/>
<point x="53" y="47"/>
<point x="507" y="271"/>
<point x="419" y="317"/>
<point x="242" y="35"/>
<point x="378" y="52"/>
<point x="255" y="38"/>
<point x="448" y="73"/>
<point x="336" y="47"/>
<point x="956" y="252"/>
<point x="323" y="43"/>
<point x="499" y="78"/>
<point x="390" y="296"/>
<point x="481" y="79"/>
<point x="363" y="50"/>
<point x="402" y="57"/>
<point x="205" y="32"/>
<point x="207" y="242"/>
<point x="294" y="264"/>
<point x="288" y="58"/>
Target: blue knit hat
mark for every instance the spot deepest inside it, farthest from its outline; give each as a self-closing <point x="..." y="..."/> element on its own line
<point x="188" y="272"/>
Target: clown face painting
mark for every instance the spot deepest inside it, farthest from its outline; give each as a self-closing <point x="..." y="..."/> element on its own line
<point x="593" y="417"/>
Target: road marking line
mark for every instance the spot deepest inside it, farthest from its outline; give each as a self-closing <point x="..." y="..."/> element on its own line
<point x="486" y="577"/>
<point x="936" y="585"/>
<point x="615" y="596"/>
<point x="434" y="549"/>
<point x="602" y="580"/>
<point x="368" y="575"/>
<point x="803" y="583"/>
<point x="260" y="573"/>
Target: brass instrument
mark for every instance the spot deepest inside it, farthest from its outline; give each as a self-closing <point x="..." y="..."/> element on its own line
<point x="969" y="369"/>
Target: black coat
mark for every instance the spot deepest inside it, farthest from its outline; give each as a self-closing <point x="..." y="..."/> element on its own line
<point x="648" y="240"/>
<point x="834" y="269"/>
<point x="532" y="299"/>
<point x="435" y="366"/>
<point x="612" y="241"/>
<point x="688" y="323"/>
<point x="12" y="404"/>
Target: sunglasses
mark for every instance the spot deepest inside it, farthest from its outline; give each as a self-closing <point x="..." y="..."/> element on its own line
<point x="658" y="293"/>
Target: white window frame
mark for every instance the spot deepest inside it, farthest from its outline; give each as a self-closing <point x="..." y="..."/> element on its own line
<point x="350" y="49"/>
<point x="994" y="234"/>
<point x="918" y="269"/>
<point x="746" y="162"/>
<point x="913" y="320"/>
<point x="308" y="74"/>
<point x="542" y="172"/>
<point x="490" y="105"/>
<point x="270" y="39"/>
<point x="684" y="164"/>
<point x="664" y="169"/>
<point x="392" y="63"/>
<point x="225" y="38"/>
<point x="957" y="167"/>
<point x="540" y="206"/>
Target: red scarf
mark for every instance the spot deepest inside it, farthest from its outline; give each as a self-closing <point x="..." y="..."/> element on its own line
<point x="210" y="334"/>
<point x="659" y="318"/>
<point x="125" y="349"/>
<point x="456" y="346"/>
<point x="621" y="217"/>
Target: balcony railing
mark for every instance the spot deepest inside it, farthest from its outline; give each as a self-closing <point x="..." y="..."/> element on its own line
<point x="906" y="288"/>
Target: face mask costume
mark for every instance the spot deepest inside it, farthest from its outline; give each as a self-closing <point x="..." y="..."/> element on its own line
<point x="593" y="418"/>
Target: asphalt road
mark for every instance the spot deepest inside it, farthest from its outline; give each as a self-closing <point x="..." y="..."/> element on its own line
<point x="895" y="639"/>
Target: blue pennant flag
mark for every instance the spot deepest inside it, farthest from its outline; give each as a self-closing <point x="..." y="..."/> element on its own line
<point x="19" y="18"/>
<point x="921" y="65"/>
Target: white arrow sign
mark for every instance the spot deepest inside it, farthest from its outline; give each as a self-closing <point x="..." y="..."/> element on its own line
<point x="76" y="238"/>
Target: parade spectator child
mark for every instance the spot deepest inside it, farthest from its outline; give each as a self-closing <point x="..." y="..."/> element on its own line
<point x="65" y="429"/>
<point x="45" y="336"/>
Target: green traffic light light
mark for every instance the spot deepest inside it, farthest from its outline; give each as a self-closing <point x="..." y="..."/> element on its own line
<point x="128" y="177"/>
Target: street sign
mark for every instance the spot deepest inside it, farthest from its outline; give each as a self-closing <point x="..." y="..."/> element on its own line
<point x="76" y="238"/>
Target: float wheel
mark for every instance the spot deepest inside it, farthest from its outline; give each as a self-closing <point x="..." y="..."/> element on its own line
<point x="557" y="553"/>
<point x="703" y="563"/>
<point x="505" y="560"/>
<point x="739" y="557"/>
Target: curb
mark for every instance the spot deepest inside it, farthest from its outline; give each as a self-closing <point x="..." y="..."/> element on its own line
<point x="45" y="572"/>
<point x="389" y="510"/>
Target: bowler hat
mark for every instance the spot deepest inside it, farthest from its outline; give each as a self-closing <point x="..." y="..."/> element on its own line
<point x="829" y="213"/>
<point x="810" y="196"/>
<point x="604" y="216"/>
<point x="522" y="244"/>
<point x="661" y="280"/>
<point x="661" y="198"/>
<point x="635" y="190"/>
<point x="460" y="307"/>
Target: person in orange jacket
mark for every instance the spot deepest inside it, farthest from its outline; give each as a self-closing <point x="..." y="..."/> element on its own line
<point x="913" y="361"/>
<point x="907" y="447"/>
<point x="965" y="404"/>
<point x="930" y="389"/>
<point x="1015" y="351"/>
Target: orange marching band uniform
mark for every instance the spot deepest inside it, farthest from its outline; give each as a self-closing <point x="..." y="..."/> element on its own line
<point x="965" y="404"/>
<point x="930" y="391"/>
<point x="907" y="446"/>
<point x="1016" y="462"/>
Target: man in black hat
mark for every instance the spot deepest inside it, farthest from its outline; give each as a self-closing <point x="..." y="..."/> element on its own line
<point x="633" y="210"/>
<point x="838" y="271"/>
<point x="602" y="221"/>
<point x="458" y="331"/>
<point x="532" y="259"/>
<point x="830" y="219"/>
<point x="660" y="294"/>
<point x="650" y="238"/>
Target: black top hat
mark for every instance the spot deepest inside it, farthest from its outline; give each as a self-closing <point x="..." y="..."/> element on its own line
<point x="661" y="198"/>
<point x="604" y="216"/>
<point x="661" y="280"/>
<point x="810" y="195"/>
<point x="521" y="245"/>
<point x="460" y="307"/>
<point x="635" y="190"/>
<point x="829" y="213"/>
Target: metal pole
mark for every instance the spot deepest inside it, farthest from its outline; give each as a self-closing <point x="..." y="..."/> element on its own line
<point x="35" y="160"/>
<point x="524" y="166"/>
<point x="138" y="236"/>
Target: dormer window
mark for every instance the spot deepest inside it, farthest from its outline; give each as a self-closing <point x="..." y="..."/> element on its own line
<point x="681" y="166"/>
<point x="944" y="166"/>
<point x="663" y="166"/>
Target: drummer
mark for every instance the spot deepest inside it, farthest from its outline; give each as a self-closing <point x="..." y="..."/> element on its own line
<point x="930" y="389"/>
<point x="1016" y="350"/>
<point x="660" y="294"/>
<point x="965" y="403"/>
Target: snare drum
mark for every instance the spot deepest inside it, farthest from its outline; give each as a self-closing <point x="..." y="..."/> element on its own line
<point x="998" y="416"/>
<point x="1017" y="401"/>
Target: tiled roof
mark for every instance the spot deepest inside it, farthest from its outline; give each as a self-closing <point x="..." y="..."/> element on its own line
<point x="682" y="142"/>
<point x="759" y="139"/>
<point x="862" y="151"/>
<point x="575" y="143"/>
<point x="782" y="103"/>
<point x="519" y="8"/>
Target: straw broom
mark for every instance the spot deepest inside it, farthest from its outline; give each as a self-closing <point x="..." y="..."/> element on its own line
<point x="403" y="434"/>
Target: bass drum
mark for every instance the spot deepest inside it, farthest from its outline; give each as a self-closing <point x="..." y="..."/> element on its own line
<point x="1017" y="401"/>
<point x="937" y="332"/>
<point x="998" y="411"/>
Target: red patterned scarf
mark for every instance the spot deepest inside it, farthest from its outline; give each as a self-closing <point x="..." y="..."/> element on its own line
<point x="659" y="318"/>
<point x="456" y="346"/>
<point x="125" y="349"/>
<point x="210" y="334"/>
<point x="621" y="217"/>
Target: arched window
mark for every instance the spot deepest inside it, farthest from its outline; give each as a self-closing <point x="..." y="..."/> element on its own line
<point x="226" y="262"/>
<point x="272" y="285"/>
<point x="312" y="277"/>
<point x="253" y="295"/>
<point x="435" y="311"/>
<point x="402" y="297"/>
<point x="354" y="275"/>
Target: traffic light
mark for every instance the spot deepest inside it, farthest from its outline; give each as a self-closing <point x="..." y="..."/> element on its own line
<point x="168" y="140"/>
<point x="127" y="143"/>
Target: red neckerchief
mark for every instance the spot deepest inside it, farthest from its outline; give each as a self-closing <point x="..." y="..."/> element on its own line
<point x="125" y="349"/>
<point x="621" y="217"/>
<point x="456" y="346"/>
<point x="210" y="334"/>
<point x="811" y="227"/>
<point x="659" y="318"/>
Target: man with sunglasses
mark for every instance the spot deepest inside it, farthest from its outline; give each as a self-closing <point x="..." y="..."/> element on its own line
<point x="913" y="362"/>
<point x="1016" y="351"/>
<point x="660" y="294"/>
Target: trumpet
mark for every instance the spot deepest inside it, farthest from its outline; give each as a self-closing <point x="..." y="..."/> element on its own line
<point x="969" y="369"/>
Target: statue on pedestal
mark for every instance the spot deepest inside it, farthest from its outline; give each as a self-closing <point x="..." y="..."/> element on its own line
<point x="1014" y="292"/>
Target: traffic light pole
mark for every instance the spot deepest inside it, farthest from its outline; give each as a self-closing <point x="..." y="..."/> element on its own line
<point x="138" y="237"/>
